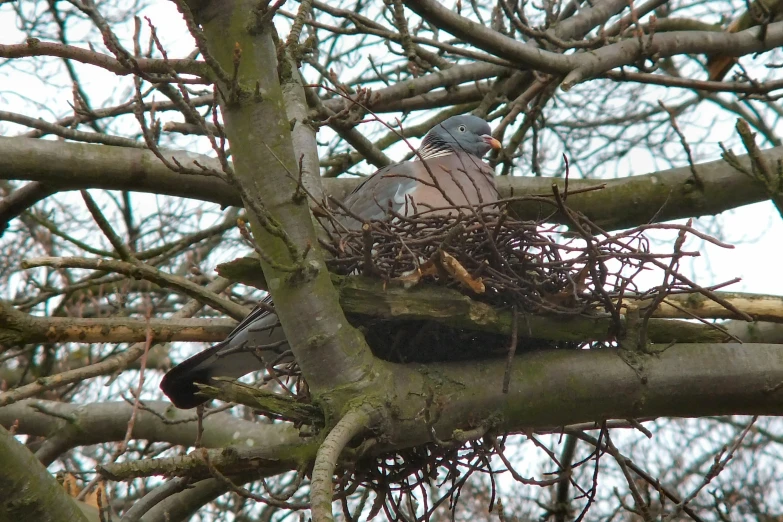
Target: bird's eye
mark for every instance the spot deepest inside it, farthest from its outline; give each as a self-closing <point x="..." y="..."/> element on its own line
<point x="462" y="128"/>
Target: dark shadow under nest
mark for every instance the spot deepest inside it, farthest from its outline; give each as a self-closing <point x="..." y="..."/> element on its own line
<point x="428" y="341"/>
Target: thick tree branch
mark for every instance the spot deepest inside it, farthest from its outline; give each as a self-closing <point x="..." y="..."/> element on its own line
<point x="376" y="299"/>
<point x="70" y="425"/>
<point x="265" y="461"/>
<point x="18" y="328"/>
<point x="302" y="134"/>
<point x="761" y="332"/>
<point x="353" y="423"/>
<point x="35" y="47"/>
<point x="29" y="491"/>
<point x="388" y="98"/>
<point x="361" y="296"/>
<point x="328" y="350"/>
<point x="768" y="308"/>
<point x="489" y="40"/>
<point x="73" y="166"/>
<point x="582" y="66"/>
<point x="20" y="199"/>
<point x="554" y="388"/>
<point x="588" y="17"/>
<point x="625" y="202"/>
<point x="372" y="298"/>
<point x="154" y="497"/>
<point x="264" y="401"/>
<point x="664" y="45"/>
<point x="183" y="505"/>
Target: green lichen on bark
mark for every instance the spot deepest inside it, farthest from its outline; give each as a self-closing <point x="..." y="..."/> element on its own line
<point x="29" y="492"/>
<point x="16" y="327"/>
<point x="266" y="169"/>
<point x="272" y="404"/>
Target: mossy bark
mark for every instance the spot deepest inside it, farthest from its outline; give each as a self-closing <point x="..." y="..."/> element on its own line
<point x="329" y="351"/>
<point x="29" y="492"/>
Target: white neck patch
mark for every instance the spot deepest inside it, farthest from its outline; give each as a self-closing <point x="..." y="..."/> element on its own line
<point x="429" y="152"/>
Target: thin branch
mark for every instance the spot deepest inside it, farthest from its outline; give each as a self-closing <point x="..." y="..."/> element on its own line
<point x="106" y="367"/>
<point x="321" y="489"/>
<point x="143" y="271"/>
<point x="35" y="47"/>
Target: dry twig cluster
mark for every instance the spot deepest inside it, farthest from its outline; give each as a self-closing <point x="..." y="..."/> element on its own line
<point x="532" y="267"/>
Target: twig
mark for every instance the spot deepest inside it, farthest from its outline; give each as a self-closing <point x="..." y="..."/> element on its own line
<point x="673" y="119"/>
<point x="512" y="348"/>
<point x="122" y="250"/>
<point x="762" y="172"/>
<point x="143" y="271"/>
<point x="719" y="464"/>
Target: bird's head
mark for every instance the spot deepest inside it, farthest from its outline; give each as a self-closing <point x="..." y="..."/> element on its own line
<point x="465" y="132"/>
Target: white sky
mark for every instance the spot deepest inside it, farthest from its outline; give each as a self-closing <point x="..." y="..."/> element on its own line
<point x="755" y="230"/>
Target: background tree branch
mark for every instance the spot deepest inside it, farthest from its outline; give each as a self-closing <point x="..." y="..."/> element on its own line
<point x="625" y="202"/>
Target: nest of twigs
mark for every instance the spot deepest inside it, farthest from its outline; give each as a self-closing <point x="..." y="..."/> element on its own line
<point x="490" y="256"/>
<point x="532" y="267"/>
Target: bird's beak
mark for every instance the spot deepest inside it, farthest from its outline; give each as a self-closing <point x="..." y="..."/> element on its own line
<point x="492" y="142"/>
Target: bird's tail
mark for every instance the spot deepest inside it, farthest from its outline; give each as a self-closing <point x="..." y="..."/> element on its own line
<point x="256" y="343"/>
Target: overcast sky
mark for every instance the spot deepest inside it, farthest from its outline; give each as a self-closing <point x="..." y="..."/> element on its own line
<point x="755" y="230"/>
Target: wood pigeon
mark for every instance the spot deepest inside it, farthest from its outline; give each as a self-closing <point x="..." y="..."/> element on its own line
<point x="447" y="176"/>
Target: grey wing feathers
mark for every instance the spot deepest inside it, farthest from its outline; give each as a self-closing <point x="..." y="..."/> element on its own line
<point x="372" y="198"/>
<point x="439" y="182"/>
